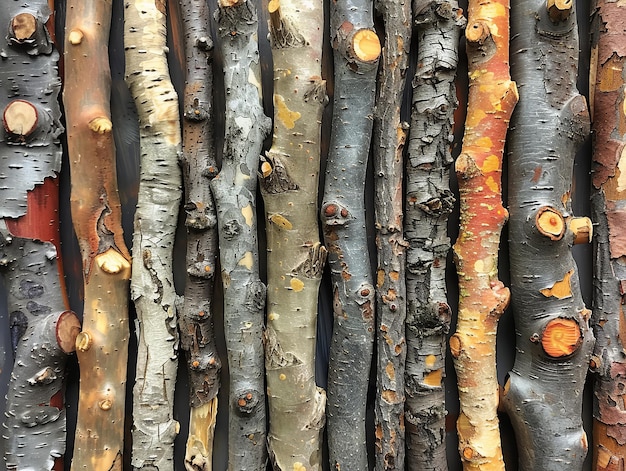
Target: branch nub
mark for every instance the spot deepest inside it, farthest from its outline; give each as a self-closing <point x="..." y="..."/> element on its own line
<point x="23" y="27"/>
<point x="20" y="118"/>
<point x="550" y="223"/>
<point x="559" y="10"/>
<point x="477" y="32"/>
<point x="366" y="45"/>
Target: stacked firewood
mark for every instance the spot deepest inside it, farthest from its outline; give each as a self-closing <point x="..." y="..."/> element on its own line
<point x="355" y="206"/>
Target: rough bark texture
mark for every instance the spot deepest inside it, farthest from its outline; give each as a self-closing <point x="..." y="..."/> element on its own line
<point x="102" y="345"/>
<point x="295" y="257"/>
<point x="608" y="211"/>
<point x="554" y="340"/>
<point x="199" y="167"/>
<point x="234" y="189"/>
<point x="30" y="157"/>
<point x="356" y="51"/>
<point x="429" y="202"/>
<point x="152" y="284"/>
<point x="482" y="296"/>
<point x="389" y="136"/>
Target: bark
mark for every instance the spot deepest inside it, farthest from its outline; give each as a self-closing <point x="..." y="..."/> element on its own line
<point x="389" y="135"/>
<point x="482" y="296"/>
<point x="234" y="189"/>
<point x="199" y="167"/>
<point x="554" y="340"/>
<point x="102" y="345"/>
<point x="356" y="51"/>
<point x="295" y="257"/>
<point x="608" y="206"/>
<point x="42" y="332"/>
<point x="152" y="284"/>
<point x="429" y="202"/>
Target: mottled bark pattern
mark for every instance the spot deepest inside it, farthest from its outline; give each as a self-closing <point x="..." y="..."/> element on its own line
<point x="102" y="345"/>
<point x="295" y="257"/>
<point x="356" y="51"/>
<point x="389" y="136"/>
<point x="482" y="296"/>
<point x="199" y="167"/>
<point x="234" y="189"/>
<point x="554" y="340"/>
<point x="30" y="147"/>
<point x="152" y="284"/>
<point x="429" y="202"/>
<point x="609" y="212"/>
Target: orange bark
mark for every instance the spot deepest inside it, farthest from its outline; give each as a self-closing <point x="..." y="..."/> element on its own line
<point x="482" y="298"/>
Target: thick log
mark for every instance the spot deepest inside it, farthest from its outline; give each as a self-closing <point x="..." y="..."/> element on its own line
<point x="295" y="257"/>
<point x="234" y="189"/>
<point x="608" y="203"/>
<point x="356" y="50"/>
<point x="554" y="340"/>
<point x="482" y="296"/>
<point x="152" y="284"/>
<point x="389" y="135"/>
<point x="429" y="202"/>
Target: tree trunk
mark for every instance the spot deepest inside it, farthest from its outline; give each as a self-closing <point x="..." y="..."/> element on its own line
<point x="102" y="345"/>
<point x="42" y="332"/>
<point x="199" y="167"/>
<point x="234" y="189"/>
<point x="295" y="257"/>
<point x="607" y="202"/>
<point x="389" y="136"/>
<point x="554" y="340"/>
<point x="356" y="52"/>
<point x="429" y="202"/>
<point x="152" y="284"/>
<point x="482" y="296"/>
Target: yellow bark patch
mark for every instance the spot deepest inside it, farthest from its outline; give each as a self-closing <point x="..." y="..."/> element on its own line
<point x="561" y="289"/>
<point x="433" y="378"/>
<point x="296" y="284"/>
<point x="297" y="466"/>
<point x="287" y="117"/>
<point x="380" y="278"/>
<point x="430" y="361"/>
<point x="610" y="74"/>
<point x="248" y="214"/>
<point x="621" y="171"/>
<point x="272" y="316"/>
<point x="486" y="143"/>
<point x="281" y="221"/>
<point x="474" y="117"/>
<point x="391" y="371"/>
<point x="247" y="261"/>
<point x="492" y="184"/>
<point x="491" y="163"/>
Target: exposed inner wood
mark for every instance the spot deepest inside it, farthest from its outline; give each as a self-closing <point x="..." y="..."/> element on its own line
<point x="582" y="229"/>
<point x="20" y="117"/>
<point x="559" y="10"/>
<point x="366" y="45"/>
<point x="68" y="327"/>
<point x="550" y="223"/>
<point x="477" y="32"/>
<point x="24" y="26"/>
<point x="561" y="337"/>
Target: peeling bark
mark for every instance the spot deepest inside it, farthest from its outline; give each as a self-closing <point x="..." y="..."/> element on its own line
<point x="482" y="296"/>
<point x="295" y="257"/>
<point x="356" y="51"/>
<point x="234" y="190"/>
<point x="429" y="202"/>
<point x="554" y="340"/>
<point x="152" y="284"/>
<point x="608" y="211"/>
<point x="199" y="167"/>
<point x="389" y="135"/>
<point x="102" y="345"/>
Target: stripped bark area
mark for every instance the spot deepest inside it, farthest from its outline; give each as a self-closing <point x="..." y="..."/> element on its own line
<point x="198" y="162"/>
<point x="234" y="190"/>
<point x="356" y="50"/>
<point x="102" y="345"/>
<point x="482" y="296"/>
<point x="429" y="202"/>
<point x="295" y="257"/>
<point x="389" y="135"/>
<point x="608" y="202"/>
<point x="152" y="284"/>
<point x="42" y="332"/>
<point x="554" y="340"/>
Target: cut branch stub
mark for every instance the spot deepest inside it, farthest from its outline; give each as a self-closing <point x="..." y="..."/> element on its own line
<point x="20" y="118"/>
<point x="366" y="45"/>
<point x="582" y="229"/>
<point x="550" y="223"/>
<point x="23" y="27"/>
<point x="559" y="10"/>
<point x="67" y="329"/>
<point x="561" y="337"/>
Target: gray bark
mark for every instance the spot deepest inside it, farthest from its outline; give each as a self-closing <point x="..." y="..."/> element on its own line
<point x="389" y="136"/>
<point x="343" y="221"/>
<point x="429" y="202"/>
<point x="544" y="392"/>
<point x="234" y="189"/>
